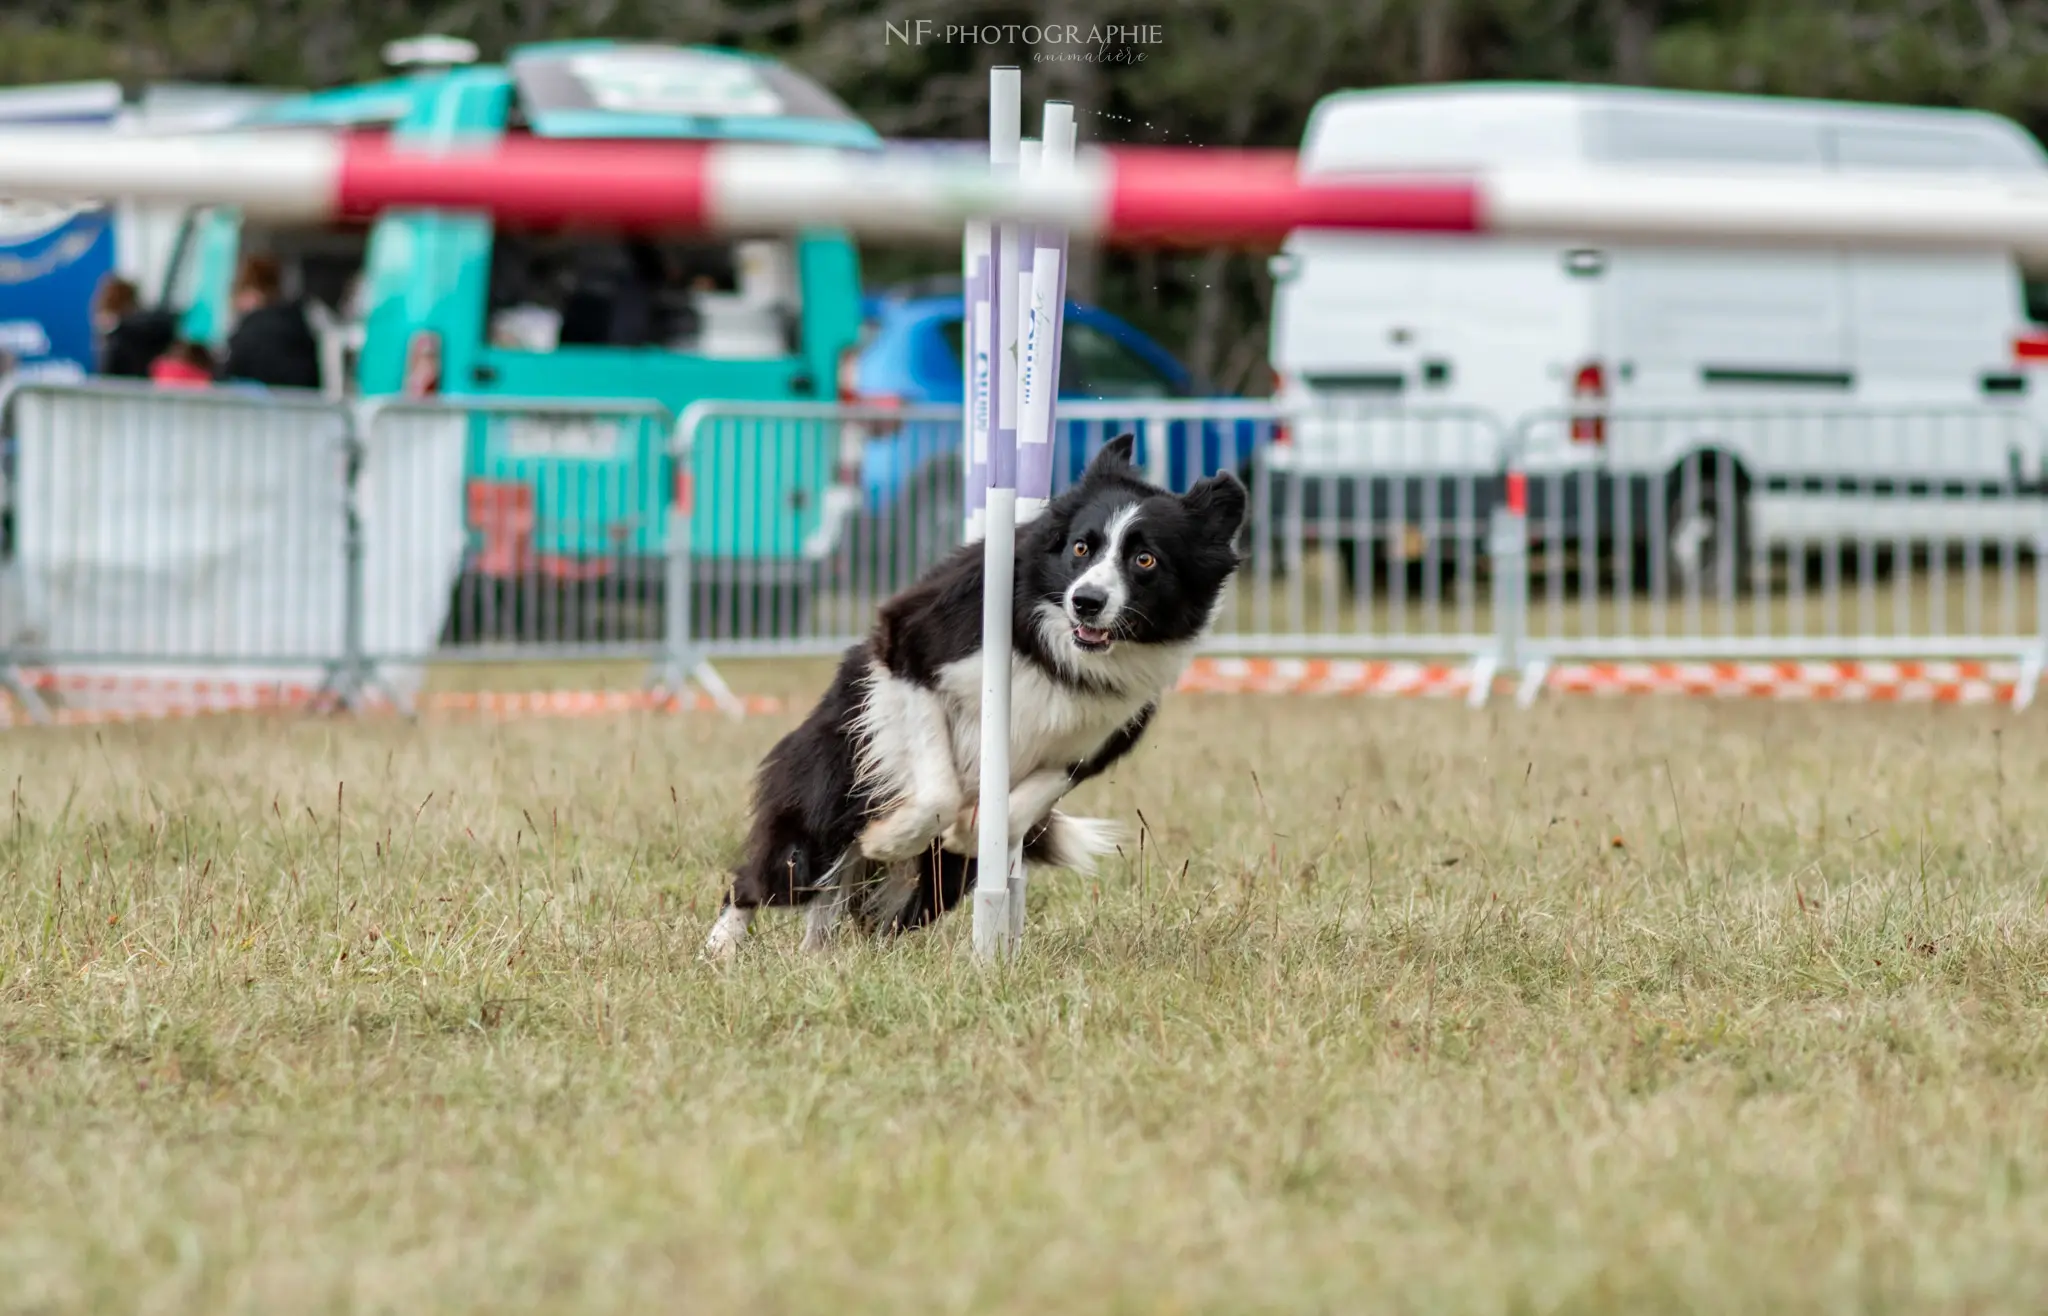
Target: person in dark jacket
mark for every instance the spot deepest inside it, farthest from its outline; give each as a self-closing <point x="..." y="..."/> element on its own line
<point x="129" y="336"/>
<point x="271" y="344"/>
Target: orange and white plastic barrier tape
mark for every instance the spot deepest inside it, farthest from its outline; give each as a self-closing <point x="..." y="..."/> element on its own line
<point x="1324" y="676"/>
<point x="1850" y="681"/>
<point x="104" y="699"/>
<point x="94" y="698"/>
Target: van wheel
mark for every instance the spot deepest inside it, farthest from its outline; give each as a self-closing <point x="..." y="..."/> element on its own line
<point x="1707" y="534"/>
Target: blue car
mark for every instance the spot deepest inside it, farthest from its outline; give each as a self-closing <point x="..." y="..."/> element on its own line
<point x="911" y="356"/>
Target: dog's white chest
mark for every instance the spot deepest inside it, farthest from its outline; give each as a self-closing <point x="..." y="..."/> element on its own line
<point x="1051" y="723"/>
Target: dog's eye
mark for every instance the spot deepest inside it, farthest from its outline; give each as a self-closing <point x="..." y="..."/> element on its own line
<point x="1146" y="561"/>
<point x="1080" y="548"/>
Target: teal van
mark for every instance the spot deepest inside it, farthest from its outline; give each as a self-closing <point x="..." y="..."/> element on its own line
<point x="422" y="302"/>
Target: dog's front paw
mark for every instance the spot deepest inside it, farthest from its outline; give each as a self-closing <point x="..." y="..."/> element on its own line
<point x="962" y="837"/>
<point x="904" y="834"/>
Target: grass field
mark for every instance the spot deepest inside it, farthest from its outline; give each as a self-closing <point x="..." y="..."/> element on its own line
<point x="1603" y="1006"/>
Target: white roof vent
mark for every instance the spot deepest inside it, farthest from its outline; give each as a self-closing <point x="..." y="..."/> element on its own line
<point x="430" y="51"/>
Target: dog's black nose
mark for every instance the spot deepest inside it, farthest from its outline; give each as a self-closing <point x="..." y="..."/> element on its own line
<point x="1088" y="601"/>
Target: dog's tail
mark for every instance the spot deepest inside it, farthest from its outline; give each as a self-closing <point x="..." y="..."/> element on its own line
<point x="1064" y="841"/>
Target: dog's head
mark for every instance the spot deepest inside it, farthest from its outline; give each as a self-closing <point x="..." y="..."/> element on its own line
<point x="1118" y="561"/>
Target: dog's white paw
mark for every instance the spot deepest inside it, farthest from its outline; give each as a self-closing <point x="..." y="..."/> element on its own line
<point x="902" y="834"/>
<point x="727" y="933"/>
<point x="1077" y="843"/>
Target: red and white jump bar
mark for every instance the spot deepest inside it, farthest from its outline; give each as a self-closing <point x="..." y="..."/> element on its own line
<point x="1117" y="195"/>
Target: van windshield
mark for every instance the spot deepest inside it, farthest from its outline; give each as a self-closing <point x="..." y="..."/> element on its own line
<point x="722" y="299"/>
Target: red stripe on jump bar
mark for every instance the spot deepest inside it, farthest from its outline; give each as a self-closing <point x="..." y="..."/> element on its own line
<point x="1155" y="193"/>
<point x="529" y="180"/>
<point x="1166" y="193"/>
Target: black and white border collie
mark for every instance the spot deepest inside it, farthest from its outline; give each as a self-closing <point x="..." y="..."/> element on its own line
<point x="867" y="809"/>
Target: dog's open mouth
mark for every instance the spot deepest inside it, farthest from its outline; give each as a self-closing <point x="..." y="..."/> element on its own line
<point x="1091" y="639"/>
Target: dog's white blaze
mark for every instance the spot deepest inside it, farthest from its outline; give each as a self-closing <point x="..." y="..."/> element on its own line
<point x="1108" y="573"/>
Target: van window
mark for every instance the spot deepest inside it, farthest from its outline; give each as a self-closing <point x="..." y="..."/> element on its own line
<point x="732" y="300"/>
<point x="2036" y="293"/>
<point x="1933" y="150"/>
<point x="181" y="280"/>
<point x="1643" y="134"/>
<point x="1093" y="364"/>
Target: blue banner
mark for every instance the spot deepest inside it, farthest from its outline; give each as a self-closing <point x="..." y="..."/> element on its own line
<point x="52" y="258"/>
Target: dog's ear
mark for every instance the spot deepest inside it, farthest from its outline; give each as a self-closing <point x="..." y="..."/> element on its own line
<point x="1218" y="502"/>
<point x="1115" y="456"/>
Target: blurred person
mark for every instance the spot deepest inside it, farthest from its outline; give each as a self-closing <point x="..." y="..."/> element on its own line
<point x="184" y="364"/>
<point x="272" y="343"/>
<point x="128" y="337"/>
<point x="636" y="310"/>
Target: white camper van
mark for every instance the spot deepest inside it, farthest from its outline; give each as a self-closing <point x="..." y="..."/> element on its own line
<point x="1789" y="380"/>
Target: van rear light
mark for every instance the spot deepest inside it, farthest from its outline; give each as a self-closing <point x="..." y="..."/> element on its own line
<point x="2030" y="348"/>
<point x="1282" y="435"/>
<point x="422" y="365"/>
<point x="1589" y="390"/>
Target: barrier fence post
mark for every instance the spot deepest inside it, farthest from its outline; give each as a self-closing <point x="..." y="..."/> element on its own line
<point x="348" y="681"/>
<point x="11" y="679"/>
<point x="1510" y="571"/>
<point x="999" y="532"/>
<point x="2028" y="685"/>
<point x="682" y="661"/>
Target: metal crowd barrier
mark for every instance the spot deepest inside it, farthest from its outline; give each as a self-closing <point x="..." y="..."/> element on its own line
<point x="348" y="546"/>
<point x="275" y="541"/>
<point x="152" y="529"/>
<point x="555" y="543"/>
<point x="1790" y="533"/>
<point x="895" y="506"/>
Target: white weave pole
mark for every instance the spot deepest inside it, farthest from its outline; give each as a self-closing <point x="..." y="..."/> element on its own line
<point x="992" y="938"/>
<point x="974" y="363"/>
<point x="1042" y="297"/>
